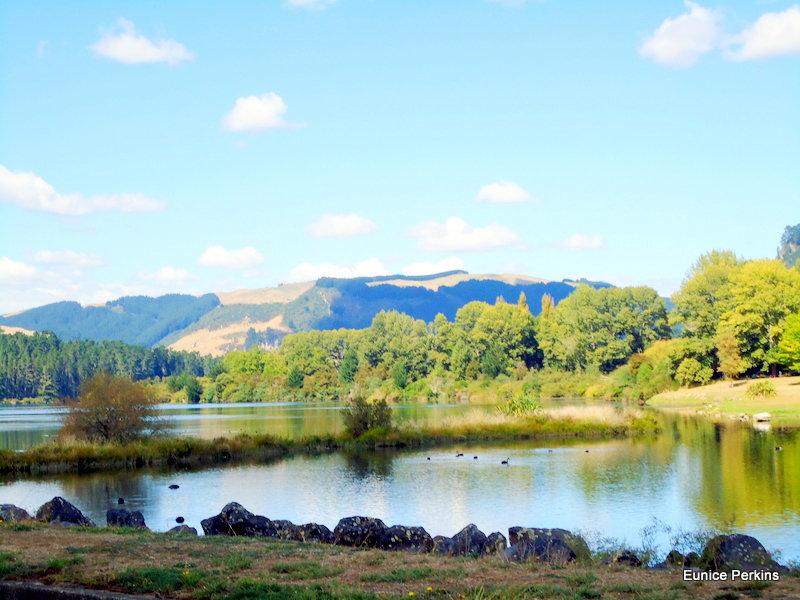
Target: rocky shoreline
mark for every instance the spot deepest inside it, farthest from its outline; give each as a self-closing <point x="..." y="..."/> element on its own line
<point x="524" y="544"/>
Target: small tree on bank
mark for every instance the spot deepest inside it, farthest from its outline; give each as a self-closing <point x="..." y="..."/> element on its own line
<point x="360" y="417"/>
<point x="111" y="409"/>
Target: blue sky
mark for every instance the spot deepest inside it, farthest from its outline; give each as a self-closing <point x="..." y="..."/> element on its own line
<point x="148" y="148"/>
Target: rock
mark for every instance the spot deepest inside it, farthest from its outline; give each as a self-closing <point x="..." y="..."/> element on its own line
<point x="121" y="517"/>
<point x="626" y="558"/>
<point x="286" y="530"/>
<point x="314" y="532"/>
<point x="442" y="545"/>
<point x="468" y="542"/>
<point x="495" y="544"/>
<point x="675" y="559"/>
<point x="13" y="514"/>
<point x="407" y="539"/>
<point x="184" y="529"/>
<point x="59" y="510"/>
<point x="540" y="549"/>
<point x="692" y="559"/>
<point x="558" y="538"/>
<point x="736" y="551"/>
<point x="235" y="519"/>
<point x="358" y="531"/>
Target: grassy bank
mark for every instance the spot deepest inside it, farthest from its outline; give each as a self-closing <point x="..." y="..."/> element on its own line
<point x="62" y="456"/>
<point x="729" y="399"/>
<point x="225" y="568"/>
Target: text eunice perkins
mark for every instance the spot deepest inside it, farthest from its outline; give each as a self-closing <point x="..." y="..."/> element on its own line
<point x="733" y="575"/>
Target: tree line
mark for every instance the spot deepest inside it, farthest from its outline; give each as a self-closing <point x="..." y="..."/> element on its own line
<point x="45" y="367"/>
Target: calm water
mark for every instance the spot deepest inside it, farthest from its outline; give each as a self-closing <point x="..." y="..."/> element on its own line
<point x="694" y="475"/>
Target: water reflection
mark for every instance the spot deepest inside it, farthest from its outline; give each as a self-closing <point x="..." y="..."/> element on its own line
<point x="694" y="475"/>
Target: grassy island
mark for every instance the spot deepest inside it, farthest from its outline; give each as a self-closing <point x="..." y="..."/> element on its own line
<point x="567" y="422"/>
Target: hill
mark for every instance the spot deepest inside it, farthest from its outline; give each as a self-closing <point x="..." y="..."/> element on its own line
<point x="218" y="323"/>
<point x="789" y="250"/>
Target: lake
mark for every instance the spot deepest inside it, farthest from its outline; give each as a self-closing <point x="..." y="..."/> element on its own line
<point x="696" y="474"/>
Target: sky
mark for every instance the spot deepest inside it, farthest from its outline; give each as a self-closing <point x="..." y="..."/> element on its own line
<point x="184" y="147"/>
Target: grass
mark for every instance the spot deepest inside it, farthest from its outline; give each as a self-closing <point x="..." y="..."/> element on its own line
<point x="62" y="456"/>
<point x="259" y="569"/>
<point x="725" y="398"/>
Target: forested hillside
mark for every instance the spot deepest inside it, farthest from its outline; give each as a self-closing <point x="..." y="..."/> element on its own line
<point x="43" y="366"/>
<point x="131" y="319"/>
<point x="789" y="250"/>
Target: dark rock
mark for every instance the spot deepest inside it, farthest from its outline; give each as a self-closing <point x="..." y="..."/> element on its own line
<point x="557" y="538"/>
<point x="540" y="549"/>
<point x="626" y="558"/>
<point x="286" y="530"/>
<point x="675" y="559"/>
<point x="179" y="519"/>
<point x="468" y="542"/>
<point x="736" y="551"/>
<point x="59" y="510"/>
<point x="408" y="539"/>
<point x="442" y="545"/>
<point x="314" y="532"/>
<point x="121" y="517"/>
<point x="692" y="559"/>
<point x="183" y="529"/>
<point x="495" y="544"/>
<point x="235" y="519"/>
<point x="359" y="531"/>
<point x="13" y="514"/>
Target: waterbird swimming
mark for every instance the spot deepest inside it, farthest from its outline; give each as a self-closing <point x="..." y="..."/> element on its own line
<point x="504" y="462"/>
<point x="120" y="500"/>
<point x="179" y="520"/>
<point x="174" y="486"/>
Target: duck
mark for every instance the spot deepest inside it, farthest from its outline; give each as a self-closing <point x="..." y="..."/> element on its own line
<point x="504" y="462"/>
<point x="174" y="486"/>
<point x="120" y="500"/>
<point x="459" y="454"/>
<point x="475" y="457"/>
<point x="179" y="520"/>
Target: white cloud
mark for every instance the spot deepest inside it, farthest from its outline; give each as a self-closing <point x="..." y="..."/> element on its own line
<point x="503" y="192"/>
<point x="31" y="192"/>
<point x="456" y="235"/>
<point x="129" y="47"/>
<point x="68" y="258"/>
<point x="308" y="271"/>
<point x="451" y="263"/>
<point x="341" y="226"/>
<point x="578" y="242"/>
<point x="679" y="42"/>
<point x="243" y="258"/>
<point x="41" y="48"/>
<point x="257" y="113"/>
<point x="310" y="4"/>
<point x="13" y="272"/>
<point x="773" y="34"/>
<point x="168" y="274"/>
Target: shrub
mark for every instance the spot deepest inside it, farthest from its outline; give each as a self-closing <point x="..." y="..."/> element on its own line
<point x="761" y="389"/>
<point x="524" y="403"/>
<point x="360" y="416"/>
<point x="111" y="409"/>
<point x="692" y="372"/>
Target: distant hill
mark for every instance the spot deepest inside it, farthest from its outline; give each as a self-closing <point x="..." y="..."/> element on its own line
<point x="217" y="323"/>
<point x="789" y="250"/>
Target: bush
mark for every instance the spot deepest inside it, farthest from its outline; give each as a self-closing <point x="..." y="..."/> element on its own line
<point x="692" y="372"/>
<point x="761" y="389"/>
<point x="524" y="403"/>
<point x="111" y="409"/>
<point x="360" y="416"/>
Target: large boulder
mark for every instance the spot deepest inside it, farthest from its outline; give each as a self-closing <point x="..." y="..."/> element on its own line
<point x="286" y="530"/>
<point x="736" y="551"/>
<point x="554" y="551"/>
<point x="359" y="531"/>
<point x="59" y="510"/>
<point x="495" y="544"/>
<point x="235" y="519"/>
<point x="468" y="542"/>
<point x="120" y="517"/>
<point x="625" y="557"/>
<point x="13" y="514"/>
<point x="442" y="545"/>
<point x="551" y="545"/>
<point x="408" y="539"/>
<point x="314" y="532"/>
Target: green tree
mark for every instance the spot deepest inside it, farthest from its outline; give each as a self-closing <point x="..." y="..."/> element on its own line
<point x="789" y="346"/>
<point x="400" y="374"/>
<point x="111" y="409"/>
<point x="193" y="389"/>
<point x="295" y="378"/>
<point x="360" y="416"/>
<point x="349" y="366"/>
<point x="728" y="354"/>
